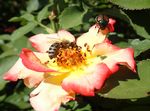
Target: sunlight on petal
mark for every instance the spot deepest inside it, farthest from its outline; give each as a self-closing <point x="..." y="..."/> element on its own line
<point x="48" y="97"/>
<point x="85" y="84"/>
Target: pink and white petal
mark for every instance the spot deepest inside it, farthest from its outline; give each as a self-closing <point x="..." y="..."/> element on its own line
<point x="91" y="38"/>
<point x="86" y="83"/>
<point x="31" y="61"/>
<point x="105" y="48"/>
<point x="42" y="42"/>
<point x="122" y="57"/>
<point x="48" y="97"/>
<point x="12" y="74"/>
<point x="19" y="71"/>
<point x="66" y="36"/>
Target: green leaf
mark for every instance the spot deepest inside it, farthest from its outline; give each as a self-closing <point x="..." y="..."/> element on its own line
<point x="23" y="30"/>
<point x="70" y="17"/>
<point x="15" y="19"/>
<point x="28" y="17"/>
<point x="122" y="44"/>
<point x="126" y="85"/>
<point x="5" y="64"/>
<point x="135" y="23"/>
<point x="5" y="37"/>
<point x="43" y="13"/>
<point x="1" y="43"/>
<point x="76" y="106"/>
<point x="140" y="46"/>
<point x="32" y="5"/>
<point x="19" y="99"/>
<point x="38" y="30"/>
<point x="14" y="47"/>
<point x="137" y="19"/>
<point x="8" y="53"/>
<point x="21" y="43"/>
<point x="85" y="108"/>
<point x="136" y="108"/>
<point x="7" y="46"/>
<point x="140" y="30"/>
<point x="132" y="4"/>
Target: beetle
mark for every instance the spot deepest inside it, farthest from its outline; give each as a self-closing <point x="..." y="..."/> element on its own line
<point x="101" y="22"/>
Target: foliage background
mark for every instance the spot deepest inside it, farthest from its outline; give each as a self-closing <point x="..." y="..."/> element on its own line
<point x="124" y="91"/>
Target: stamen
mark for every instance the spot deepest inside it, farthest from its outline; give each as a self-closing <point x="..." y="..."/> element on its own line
<point x="46" y="62"/>
<point x="70" y="57"/>
<point x="68" y="54"/>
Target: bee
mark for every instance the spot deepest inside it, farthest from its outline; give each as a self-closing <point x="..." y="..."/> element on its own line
<point x="53" y="50"/>
<point x="57" y="46"/>
<point x="101" y="22"/>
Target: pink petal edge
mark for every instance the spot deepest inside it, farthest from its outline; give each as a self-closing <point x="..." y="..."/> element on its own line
<point x="30" y="60"/>
<point x="85" y="84"/>
<point x="111" y="24"/>
<point x="19" y="71"/>
<point x="122" y="57"/>
<point x="12" y="74"/>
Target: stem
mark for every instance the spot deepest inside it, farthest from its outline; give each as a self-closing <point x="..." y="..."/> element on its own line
<point x="53" y="25"/>
<point x="49" y="30"/>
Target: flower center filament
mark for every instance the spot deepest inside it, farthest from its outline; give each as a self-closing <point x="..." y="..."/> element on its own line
<point x="69" y="55"/>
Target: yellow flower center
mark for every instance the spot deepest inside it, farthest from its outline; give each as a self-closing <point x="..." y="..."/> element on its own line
<point x="70" y="57"/>
<point x="67" y="54"/>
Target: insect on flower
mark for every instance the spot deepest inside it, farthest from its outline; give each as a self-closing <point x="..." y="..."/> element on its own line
<point x="56" y="47"/>
<point x="101" y="22"/>
<point x="53" y="50"/>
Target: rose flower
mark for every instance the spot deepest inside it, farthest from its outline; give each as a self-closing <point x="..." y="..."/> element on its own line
<point x="64" y="66"/>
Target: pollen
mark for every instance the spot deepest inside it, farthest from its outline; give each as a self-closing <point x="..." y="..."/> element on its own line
<point x="70" y="55"/>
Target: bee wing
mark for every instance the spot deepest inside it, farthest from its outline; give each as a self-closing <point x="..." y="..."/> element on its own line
<point x="54" y="40"/>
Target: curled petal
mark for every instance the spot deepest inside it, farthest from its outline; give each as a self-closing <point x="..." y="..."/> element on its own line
<point x="115" y="55"/>
<point x="85" y="84"/>
<point x="33" y="79"/>
<point x="19" y="71"/>
<point x="48" y="97"/>
<point x="31" y="61"/>
<point x="122" y="57"/>
<point x="42" y="42"/>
